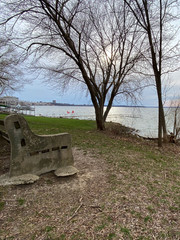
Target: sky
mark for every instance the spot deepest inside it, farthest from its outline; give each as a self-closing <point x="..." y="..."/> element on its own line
<point x="37" y="91"/>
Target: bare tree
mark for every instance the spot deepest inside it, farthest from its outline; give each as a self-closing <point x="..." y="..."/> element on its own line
<point x="157" y="20"/>
<point x="93" y="42"/>
<point x="9" y="66"/>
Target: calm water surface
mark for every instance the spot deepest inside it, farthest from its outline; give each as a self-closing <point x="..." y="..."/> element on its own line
<point x="145" y="120"/>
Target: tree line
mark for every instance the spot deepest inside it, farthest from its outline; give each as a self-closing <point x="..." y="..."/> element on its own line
<point x="107" y="45"/>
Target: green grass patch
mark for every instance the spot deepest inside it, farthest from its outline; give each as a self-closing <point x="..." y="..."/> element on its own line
<point x="2" y="116"/>
<point x="100" y="227"/>
<point x="111" y="236"/>
<point x="2" y="204"/>
<point x="49" y="229"/>
<point x="126" y="232"/>
<point x="21" y="201"/>
<point x="59" y="124"/>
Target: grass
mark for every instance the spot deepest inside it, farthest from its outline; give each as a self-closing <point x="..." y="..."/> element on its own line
<point x="2" y="204"/>
<point x="21" y="201"/>
<point x="59" y="124"/>
<point x="143" y="183"/>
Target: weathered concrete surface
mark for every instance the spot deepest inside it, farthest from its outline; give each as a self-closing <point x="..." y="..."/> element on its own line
<point x="6" y="180"/>
<point x="65" y="171"/>
<point x="34" y="154"/>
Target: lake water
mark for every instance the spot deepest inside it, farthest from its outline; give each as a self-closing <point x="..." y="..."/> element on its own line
<point x="145" y="120"/>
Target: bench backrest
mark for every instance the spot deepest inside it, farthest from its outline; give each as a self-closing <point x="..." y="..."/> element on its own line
<point x="34" y="154"/>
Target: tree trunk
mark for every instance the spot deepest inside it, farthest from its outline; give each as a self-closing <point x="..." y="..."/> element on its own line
<point x="100" y="122"/>
<point x="175" y="121"/>
<point x="164" y="126"/>
<point x="162" y="122"/>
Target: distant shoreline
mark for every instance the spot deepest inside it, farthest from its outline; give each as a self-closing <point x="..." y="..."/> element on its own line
<point x="87" y="105"/>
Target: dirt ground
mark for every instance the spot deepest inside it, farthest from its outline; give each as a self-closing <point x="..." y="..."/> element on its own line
<point x="49" y="206"/>
<point x="98" y="203"/>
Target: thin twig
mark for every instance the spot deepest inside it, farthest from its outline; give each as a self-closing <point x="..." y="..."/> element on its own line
<point x="75" y="213"/>
<point x="97" y="207"/>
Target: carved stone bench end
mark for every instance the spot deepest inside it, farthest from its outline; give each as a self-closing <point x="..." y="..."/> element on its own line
<point x="33" y="155"/>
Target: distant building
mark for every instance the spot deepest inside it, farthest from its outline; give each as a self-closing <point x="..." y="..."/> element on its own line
<point x="54" y="101"/>
<point x="9" y="101"/>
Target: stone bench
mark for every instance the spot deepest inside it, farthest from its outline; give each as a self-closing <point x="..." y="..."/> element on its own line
<point x="33" y="155"/>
